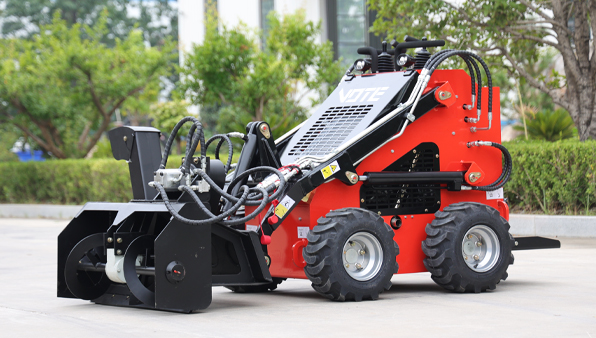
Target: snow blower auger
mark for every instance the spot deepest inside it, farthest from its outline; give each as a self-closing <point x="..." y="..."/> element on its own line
<point x="400" y="158"/>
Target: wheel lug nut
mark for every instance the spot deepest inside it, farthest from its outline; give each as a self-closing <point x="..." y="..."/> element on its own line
<point x="470" y="236"/>
<point x="352" y="243"/>
<point x="362" y="252"/>
<point x="347" y="265"/>
<point x="478" y="244"/>
<point x="358" y="266"/>
<point x="466" y="257"/>
<point x="476" y="257"/>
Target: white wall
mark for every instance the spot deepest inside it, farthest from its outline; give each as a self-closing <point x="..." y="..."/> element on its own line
<point x="191" y="29"/>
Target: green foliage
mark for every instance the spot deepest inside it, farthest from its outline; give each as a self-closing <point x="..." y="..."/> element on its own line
<point x="65" y="181"/>
<point x="554" y="178"/>
<point x="71" y="181"/>
<point x="8" y="136"/>
<point x="277" y="84"/>
<point x="157" y="18"/>
<point x="103" y="149"/>
<point x="165" y="116"/>
<point x="549" y="125"/>
<point x="62" y="88"/>
<point x="519" y="37"/>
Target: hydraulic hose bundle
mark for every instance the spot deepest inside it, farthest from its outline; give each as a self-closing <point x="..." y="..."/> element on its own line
<point x="259" y="195"/>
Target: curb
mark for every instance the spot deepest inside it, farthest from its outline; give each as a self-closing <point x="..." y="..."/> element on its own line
<point x="553" y="226"/>
<point x="65" y="212"/>
<point x="521" y="224"/>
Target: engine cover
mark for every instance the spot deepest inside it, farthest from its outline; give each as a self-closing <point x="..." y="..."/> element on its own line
<point x="352" y="107"/>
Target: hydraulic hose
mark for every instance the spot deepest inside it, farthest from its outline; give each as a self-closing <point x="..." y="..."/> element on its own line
<point x="505" y="173"/>
<point x="222" y="138"/>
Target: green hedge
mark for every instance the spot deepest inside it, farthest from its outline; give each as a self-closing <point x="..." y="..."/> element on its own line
<point x="70" y="181"/>
<point x="550" y="178"/>
<point x="65" y="181"/>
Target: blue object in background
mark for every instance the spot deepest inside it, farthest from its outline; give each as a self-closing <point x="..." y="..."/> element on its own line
<point x="25" y="156"/>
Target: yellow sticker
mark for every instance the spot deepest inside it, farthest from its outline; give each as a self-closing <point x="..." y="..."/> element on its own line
<point x="280" y="210"/>
<point x="329" y="170"/>
<point x="284" y="205"/>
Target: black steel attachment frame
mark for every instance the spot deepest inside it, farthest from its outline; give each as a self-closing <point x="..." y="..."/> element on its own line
<point x="535" y="242"/>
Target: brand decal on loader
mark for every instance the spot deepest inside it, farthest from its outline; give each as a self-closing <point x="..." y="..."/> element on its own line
<point x="329" y="170"/>
<point x="282" y="208"/>
<point x="362" y="94"/>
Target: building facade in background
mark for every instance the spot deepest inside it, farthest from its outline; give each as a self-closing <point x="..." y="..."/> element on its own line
<point x="346" y="23"/>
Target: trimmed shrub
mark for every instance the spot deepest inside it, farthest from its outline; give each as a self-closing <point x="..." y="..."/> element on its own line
<point x="552" y="177"/>
<point x="557" y="177"/>
<point x="75" y="181"/>
<point x="65" y="181"/>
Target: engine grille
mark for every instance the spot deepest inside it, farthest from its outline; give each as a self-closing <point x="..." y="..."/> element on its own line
<point x="400" y="199"/>
<point x="330" y="130"/>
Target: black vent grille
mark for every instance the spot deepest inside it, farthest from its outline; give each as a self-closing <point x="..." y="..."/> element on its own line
<point x="400" y="199"/>
<point x="330" y="130"/>
<point x="423" y="158"/>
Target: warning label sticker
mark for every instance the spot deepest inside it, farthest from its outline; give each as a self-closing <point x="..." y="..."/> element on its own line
<point x="303" y="232"/>
<point x="252" y="227"/>
<point x="495" y="194"/>
<point x="282" y="208"/>
<point x="329" y="170"/>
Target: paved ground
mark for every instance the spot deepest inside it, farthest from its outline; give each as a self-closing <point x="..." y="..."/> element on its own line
<point x="549" y="293"/>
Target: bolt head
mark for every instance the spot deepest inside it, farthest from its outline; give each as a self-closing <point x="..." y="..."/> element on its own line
<point x="392" y="151"/>
<point x="379" y="213"/>
<point x="466" y="257"/>
<point x="437" y="155"/>
<point x="362" y="252"/>
<point x="414" y="151"/>
<point x="110" y="239"/>
<point x="362" y="200"/>
<point x="119" y="240"/>
<point x="452" y="133"/>
<point x="358" y="266"/>
<point x="125" y="138"/>
<point x="478" y="244"/>
<point x="476" y="257"/>
<point x="347" y="265"/>
<point x="118" y="252"/>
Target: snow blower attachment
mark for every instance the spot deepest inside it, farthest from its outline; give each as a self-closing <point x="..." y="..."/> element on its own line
<point x="400" y="158"/>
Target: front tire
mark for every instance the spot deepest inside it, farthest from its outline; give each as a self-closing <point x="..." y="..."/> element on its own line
<point x="468" y="247"/>
<point x="351" y="255"/>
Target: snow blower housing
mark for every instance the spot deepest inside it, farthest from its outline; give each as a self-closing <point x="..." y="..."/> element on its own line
<point x="401" y="158"/>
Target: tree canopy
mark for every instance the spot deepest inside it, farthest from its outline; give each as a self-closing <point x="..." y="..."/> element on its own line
<point x="62" y="87"/>
<point x="157" y="19"/>
<point x="512" y="34"/>
<point x="275" y="83"/>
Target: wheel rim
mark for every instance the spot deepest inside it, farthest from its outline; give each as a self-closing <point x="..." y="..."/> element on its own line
<point x="480" y="248"/>
<point x="362" y="256"/>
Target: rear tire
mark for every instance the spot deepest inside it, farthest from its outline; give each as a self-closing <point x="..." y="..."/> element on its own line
<point x="351" y="255"/>
<point x="468" y="247"/>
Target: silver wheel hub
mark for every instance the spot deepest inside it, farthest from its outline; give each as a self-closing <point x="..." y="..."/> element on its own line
<point x="362" y="256"/>
<point x="480" y="248"/>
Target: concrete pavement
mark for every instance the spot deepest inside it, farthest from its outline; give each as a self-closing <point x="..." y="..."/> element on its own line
<point x="549" y="293"/>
